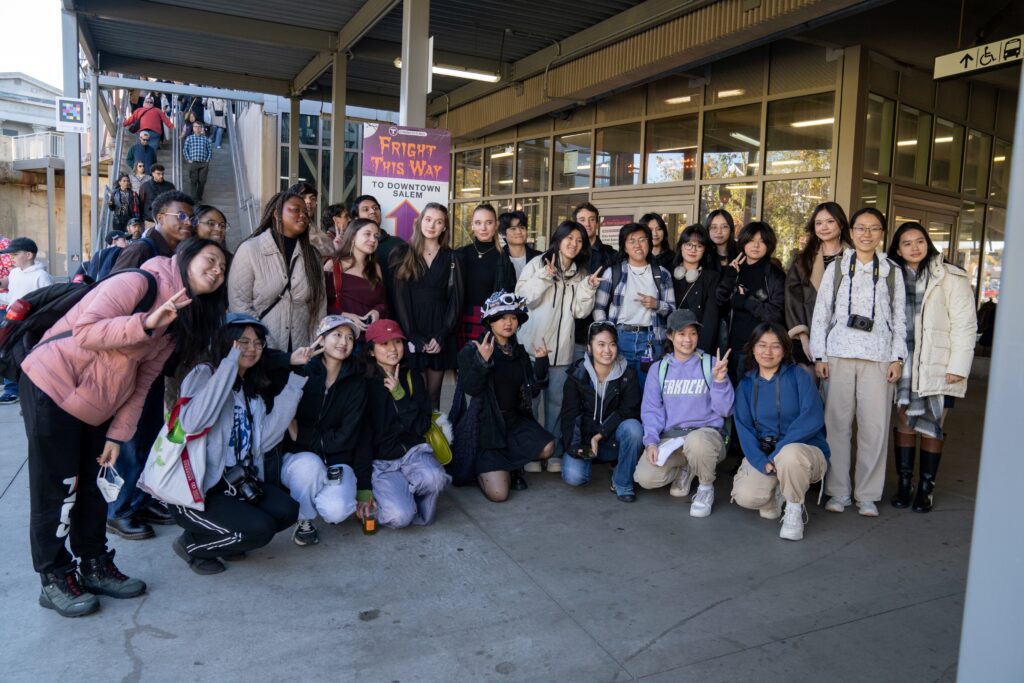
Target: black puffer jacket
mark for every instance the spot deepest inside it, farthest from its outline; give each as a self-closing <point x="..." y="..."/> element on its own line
<point x="477" y="383"/>
<point x="585" y="413"/>
<point x="764" y="285"/>
<point x="329" y="418"/>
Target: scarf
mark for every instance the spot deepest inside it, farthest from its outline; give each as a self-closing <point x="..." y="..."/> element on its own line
<point x="924" y="413"/>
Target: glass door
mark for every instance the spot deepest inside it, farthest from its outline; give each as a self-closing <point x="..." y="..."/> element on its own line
<point x="940" y="224"/>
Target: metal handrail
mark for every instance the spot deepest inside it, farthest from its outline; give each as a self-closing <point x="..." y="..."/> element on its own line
<point x="246" y="203"/>
<point x="176" y="143"/>
<point x="37" y="146"/>
<point x="106" y="217"/>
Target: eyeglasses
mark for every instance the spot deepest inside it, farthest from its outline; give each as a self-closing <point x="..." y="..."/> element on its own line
<point x="257" y="344"/>
<point x="861" y="229"/>
<point x="693" y="246"/>
<point x="636" y="241"/>
<point x="180" y="215"/>
<point x="212" y="224"/>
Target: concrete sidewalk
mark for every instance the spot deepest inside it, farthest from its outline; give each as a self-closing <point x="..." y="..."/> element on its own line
<point x="554" y="585"/>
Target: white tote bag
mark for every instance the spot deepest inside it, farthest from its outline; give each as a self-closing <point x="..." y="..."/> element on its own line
<point x="176" y="464"/>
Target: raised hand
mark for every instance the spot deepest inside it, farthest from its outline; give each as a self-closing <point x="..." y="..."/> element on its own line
<point x="391" y="381"/>
<point x="304" y="354"/>
<point x="595" y="279"/>
<point x="168" y="311"/>
<point x="542" y="350"/>
<point x="738" y="261"/>
<point x="721" y="368"/>
<point x="486" y="348"/>
<point x="549" y="266"/>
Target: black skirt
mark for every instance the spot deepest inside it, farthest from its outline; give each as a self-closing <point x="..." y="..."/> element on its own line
<point x="526" y="438"/>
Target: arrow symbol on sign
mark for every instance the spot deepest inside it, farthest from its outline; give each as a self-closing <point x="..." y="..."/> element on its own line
<point x="405" y="215"/>
<point x="966" y="60"/>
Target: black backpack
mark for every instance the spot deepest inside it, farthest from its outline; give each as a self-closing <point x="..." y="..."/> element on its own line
<point x="29" y="318"/>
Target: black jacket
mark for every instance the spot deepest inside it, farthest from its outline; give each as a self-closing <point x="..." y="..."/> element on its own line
<point x="149" y="191"/>
<point x="700" y="297"/>
<point x="531" y="253"/>
<point x="401" y="293"/>
<point x="764" y="301"/>
<point x="582" y="417"/>
<point x="141" y="250"/>
<point x="476" y="381"/>
<point x="392" y="427"/>
<point x="329" y="419"/>
<point x="601" y="256"/>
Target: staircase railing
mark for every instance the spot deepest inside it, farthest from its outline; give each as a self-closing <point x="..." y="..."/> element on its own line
<point x="176" y="143"/>
<point x="248" y="208"/>
<point x="106" y="216"/>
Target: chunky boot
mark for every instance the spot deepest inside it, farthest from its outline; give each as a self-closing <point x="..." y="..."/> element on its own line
<point x="518" y="482"/>
<point x="929" y="467"/>
<point x="905" y="452"/>
<point x="100" y="576"/>
<point x="63" y="593"/>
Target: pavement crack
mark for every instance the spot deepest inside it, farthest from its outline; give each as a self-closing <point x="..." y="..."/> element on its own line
<point x="135" y="674"/>
<point x="674" y="626"/>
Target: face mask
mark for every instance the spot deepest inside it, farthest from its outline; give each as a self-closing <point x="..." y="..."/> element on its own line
<point x="109" y="482"/>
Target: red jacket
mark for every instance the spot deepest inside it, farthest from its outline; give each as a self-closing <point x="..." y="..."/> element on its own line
<point x="153" y="119"/>
<point x="105" y="368"/>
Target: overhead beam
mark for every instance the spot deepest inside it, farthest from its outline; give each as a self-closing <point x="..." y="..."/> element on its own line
<point x="178" y="89"/>
<point x="176" y="72"/>
<point x="365" y="19"/>
<point x="385" y="52"/>
<point x="215" y="24"/>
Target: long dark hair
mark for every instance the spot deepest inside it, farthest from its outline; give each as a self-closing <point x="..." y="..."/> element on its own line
<point x="329" y="214"/>
<point x="732" y="251"/>
<point x="372" y="370"/>
<point x="124" y="176"/>
<point x="710" y="258"/>
<point x="345" y="250"/>
<point x="762" y="329"/>
<point x="564" y="229"/>
<point x="871" y="211"/>
<point x="894" y="246"/>
<point x="805" y="259"/>
<point x="311" y="262"/>
<point x="256" y="381"/>
<point x="202" y="321"/>
<point x="628" y="229"/>
<point x="646" y="219"/>
<point x="409" y="263"/>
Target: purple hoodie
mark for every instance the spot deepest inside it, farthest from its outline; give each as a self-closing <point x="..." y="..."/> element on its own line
<point x="687" y="402"/>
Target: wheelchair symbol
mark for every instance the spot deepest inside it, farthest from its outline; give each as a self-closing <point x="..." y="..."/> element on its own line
<point x="986" y="57"/>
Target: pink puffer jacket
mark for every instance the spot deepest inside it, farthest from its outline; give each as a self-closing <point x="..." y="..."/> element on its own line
<point x="105" y="368"/>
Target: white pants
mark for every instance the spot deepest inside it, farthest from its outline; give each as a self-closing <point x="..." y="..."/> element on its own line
<point x="305" y="475"/>
<point x="406" y="490"/>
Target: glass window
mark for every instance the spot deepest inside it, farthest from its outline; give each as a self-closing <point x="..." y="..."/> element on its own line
<point x="1000" y="175"/>
<point x="284" y="168"/>
<point x="914" y="129"/>
<point x="535" y="209"/>
<point x="947" y="153"/>
<point x="353" y="135"/>
<point x="308" y="166"/>
<point x="309" y="129"/>
<point x="285" y="127"/>
<point x="875" y="195"/>
<point x="534" y="163"/>
<point x="671" y="149"/>
<point x="353" y="173"/>
<point x="562" y="206"/>
<point x="468" y="173"/>
<point x="325" y="177"/>
<point x="572" y="161"/>
<point x="799" y="134"/>
<point x="739" y="199"/>
<point x="500" y="176"/>
<point x="995" y="231"/>
<point x="325" y="131"/>
<point x="878" y="135"/>
<point x="674" y="94"/>
<point x="617" y="155"/>
<point x="460" y="218"/>
<point x="732" y="142"/>
<point x="787" y="204"/>
<point x="968" y="252"/>
<point x="979" y="151"/>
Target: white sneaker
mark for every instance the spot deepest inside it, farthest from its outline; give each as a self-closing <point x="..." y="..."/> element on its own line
<point x="700" y="505"/>
<point x="532" y="466"/>
<point x="793" y="523"/>
<point x="838" y="503"/>
<point x="680" y="488"/>
<point x="773" y="510"/>
<point x="867" y="508"/>
<point x="554" y="465"/>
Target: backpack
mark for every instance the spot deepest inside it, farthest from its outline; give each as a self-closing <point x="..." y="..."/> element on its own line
<point x="28" y="319"/>
<point x="890" y="281"/>
<point x="705" y="365"/>
<point x="617" y="276"/>
<point x="103" y="261"/>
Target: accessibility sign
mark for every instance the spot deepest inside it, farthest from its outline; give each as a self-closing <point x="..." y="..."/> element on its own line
<point x="981" y="58"/>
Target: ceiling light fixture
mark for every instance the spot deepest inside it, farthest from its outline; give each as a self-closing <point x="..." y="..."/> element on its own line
<point x="459" y="72"/>
<point x="745" y="138"/>
<point x="942" y="140"/>
<point x="906" y="143"/>
<point x="741" y="187"/>
<point x="731" y="93"/>
<point x="813" y="122"/>
<point x="502" y="155"/>
<point x="787" y="162"/>
<point x="679" y="100"/>
<point x="998" y="160"/>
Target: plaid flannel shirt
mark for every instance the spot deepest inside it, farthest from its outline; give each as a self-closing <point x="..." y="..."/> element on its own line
<point x="608" y="303"/>
<point x="197" y="149"/>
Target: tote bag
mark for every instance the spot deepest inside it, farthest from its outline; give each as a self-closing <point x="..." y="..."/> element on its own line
<point x="176" y="464"/>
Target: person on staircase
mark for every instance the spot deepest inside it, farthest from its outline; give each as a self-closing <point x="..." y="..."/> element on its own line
<point x="197" y="151"/>
<point x="141" y="153"/>
<point x="151" y="120"/>
<point x="150" y="190"/>
<point x="218" y="122"/>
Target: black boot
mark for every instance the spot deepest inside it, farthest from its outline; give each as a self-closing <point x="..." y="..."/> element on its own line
<point x="929" y="467"/>
<point x="905" y="452"/>
<point x="100" y="576"/>
<point x="63" y="593"/>
<point x="518" y="481"/>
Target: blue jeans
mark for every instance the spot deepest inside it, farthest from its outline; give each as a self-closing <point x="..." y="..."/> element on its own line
<point x="154" y="142"/>
<point x="10" y="388"/>
<point x="134" y="453"/>
<point x="551" y="399"/>
<point x="625" y="447"/>
<point x="632" y="345"/>
<point x="218" y="135"/>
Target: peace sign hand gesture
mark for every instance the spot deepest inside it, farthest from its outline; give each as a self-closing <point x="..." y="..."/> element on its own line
<point x="549" y="266"/>
<point x="391" y="381"/>
<point x="721" y="369"/>
<point x="485" y="349"/>
<point x="168" y="311"/>
<point x="595" y="279"/>
<point x="304" y="354"/>
<point x="738" y="261"/>
<point x="542" y="350"/>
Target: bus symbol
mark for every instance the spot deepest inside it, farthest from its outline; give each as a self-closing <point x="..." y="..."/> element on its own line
<point x="1011" y="49"/>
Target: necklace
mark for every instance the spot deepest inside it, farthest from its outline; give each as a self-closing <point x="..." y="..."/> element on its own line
<point x="507" y="349"/>
<point x="481" y="254"/>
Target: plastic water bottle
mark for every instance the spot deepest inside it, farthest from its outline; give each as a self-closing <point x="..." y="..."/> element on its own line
<point x="334" y="474"/>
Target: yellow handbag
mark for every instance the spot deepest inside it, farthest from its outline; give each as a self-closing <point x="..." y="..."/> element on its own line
<point x="439" y="434"/>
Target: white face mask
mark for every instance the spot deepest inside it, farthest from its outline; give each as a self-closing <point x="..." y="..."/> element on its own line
<point x="109" y="482"/>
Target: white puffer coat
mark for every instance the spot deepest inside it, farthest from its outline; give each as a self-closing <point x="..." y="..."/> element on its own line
<point x="944" y="332"/>
<point x="555" y="301"/>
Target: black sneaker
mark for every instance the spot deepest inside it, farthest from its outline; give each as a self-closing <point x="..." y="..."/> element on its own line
<point x="305" y="533"/>
<point x="8" y="399"/>
<point x="100" y="576"/>
<point x="63" y="593"/>
<point x="154" y="512"/>
<point x="199" y="565"/>
<point x="130" y="528"/>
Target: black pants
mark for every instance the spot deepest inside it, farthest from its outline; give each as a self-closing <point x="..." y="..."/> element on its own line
<point x="197" y="172"/>
<point x="229" y="525"/>
<point x="62" y="469"/>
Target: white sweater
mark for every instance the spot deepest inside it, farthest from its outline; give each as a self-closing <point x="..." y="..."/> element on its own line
<point x="23" y="281"/>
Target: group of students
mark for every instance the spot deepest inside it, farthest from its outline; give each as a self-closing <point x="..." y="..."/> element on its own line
<point x="328" y="344"/>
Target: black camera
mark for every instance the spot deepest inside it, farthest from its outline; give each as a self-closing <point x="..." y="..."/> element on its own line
<point x="767" y="444"/>
<point x="860" y="322"/>
<point x="243" y="484"/>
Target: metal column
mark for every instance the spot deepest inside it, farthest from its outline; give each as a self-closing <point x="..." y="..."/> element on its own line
<point x="94" y="171"/>
<point x="51" y="216"/>
<point x="994" y="606"/>
<point x="338" y="84"/>
<point x="293" y="142"/>
<point x="415" y="62"/>
<point x="72" y="147"/>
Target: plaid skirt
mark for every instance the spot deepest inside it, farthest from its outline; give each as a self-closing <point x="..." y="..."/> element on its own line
<point x="470" y="328"/>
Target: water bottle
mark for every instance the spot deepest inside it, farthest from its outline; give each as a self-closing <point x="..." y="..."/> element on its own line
<point x="334" y="474"/>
